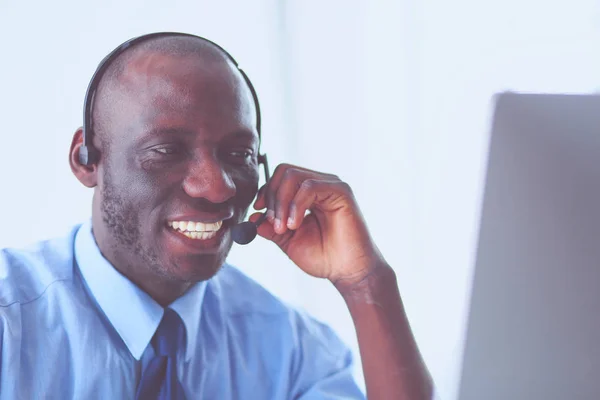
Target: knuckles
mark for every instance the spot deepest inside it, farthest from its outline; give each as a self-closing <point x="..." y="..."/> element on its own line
<point x="345" y="188"/>
<point x="282" y="167"/>
<point x="291" y="174"/>
<point x="307" y="181"/>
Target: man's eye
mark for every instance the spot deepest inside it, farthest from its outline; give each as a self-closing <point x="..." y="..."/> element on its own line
<point x="241" y="156"/>
<point x="167" y="151"/>
<point x="241" y="153"/>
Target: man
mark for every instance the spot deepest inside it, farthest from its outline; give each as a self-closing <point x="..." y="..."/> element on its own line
<point x="139" y="302"/>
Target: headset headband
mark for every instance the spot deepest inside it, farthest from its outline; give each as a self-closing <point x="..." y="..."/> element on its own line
<point x="87" y="154"/>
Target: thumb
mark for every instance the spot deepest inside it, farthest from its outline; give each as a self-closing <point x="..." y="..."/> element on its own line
<point x="267" y="231"/>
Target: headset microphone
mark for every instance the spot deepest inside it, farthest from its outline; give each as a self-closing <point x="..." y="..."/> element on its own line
<point x="245" y="232"/>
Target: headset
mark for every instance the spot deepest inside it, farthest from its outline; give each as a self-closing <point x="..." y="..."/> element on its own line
<point x="242" y="233"/>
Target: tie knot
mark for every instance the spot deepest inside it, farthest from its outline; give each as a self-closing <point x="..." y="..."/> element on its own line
<point x="169" y="335"/>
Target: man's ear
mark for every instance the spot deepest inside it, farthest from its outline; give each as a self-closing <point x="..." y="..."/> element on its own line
<point x="87" y="174"/>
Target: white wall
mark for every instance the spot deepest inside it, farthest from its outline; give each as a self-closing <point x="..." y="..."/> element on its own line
<point x="411" y="82"/>
<point x="393" y="96"/>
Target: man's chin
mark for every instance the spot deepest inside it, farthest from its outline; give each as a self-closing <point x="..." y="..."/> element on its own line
<point x="193" y="260"/>
<point x="195" y="267"/>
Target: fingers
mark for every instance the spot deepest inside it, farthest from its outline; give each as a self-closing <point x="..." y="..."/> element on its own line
<point x="316" y="192"/>
<point x="260" y="203"/>
<point x="264" y="229"/>
<point x="292" y="191"/>
<point x="267" y="231"/>
<point x="284" y="194"/>
<point x="264" y="200"/>
<point x="282" y="172"/>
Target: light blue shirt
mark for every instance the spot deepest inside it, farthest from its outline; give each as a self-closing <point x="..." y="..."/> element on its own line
<point x="73" y="327"/>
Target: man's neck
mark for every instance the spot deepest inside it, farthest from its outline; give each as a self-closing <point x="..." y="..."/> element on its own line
<point x="162" y="289"/>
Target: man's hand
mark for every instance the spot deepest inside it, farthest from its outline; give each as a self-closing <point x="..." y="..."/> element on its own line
<point x="332" y="241"/>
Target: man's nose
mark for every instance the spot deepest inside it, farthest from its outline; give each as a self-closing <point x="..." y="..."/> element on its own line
<point x="207" y="179"/>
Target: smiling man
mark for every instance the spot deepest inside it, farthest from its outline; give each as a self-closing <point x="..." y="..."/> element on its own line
<point x="139" y="303"/>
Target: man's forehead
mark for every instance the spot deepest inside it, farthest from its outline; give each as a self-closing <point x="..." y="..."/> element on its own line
<point x="157" y="86"/>
<point x="144" y="68"/>
<point x="177" y="47"/>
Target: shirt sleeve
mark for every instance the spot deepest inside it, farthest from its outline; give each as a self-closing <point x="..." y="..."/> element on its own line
<point x="324" y="366"/>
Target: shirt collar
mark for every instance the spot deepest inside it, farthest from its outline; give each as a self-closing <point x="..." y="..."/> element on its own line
<point x="189" y="308"/>
<point x="131" y="311"/>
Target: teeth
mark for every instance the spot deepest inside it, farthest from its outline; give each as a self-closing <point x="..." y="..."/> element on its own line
<point x="200" y="235"/>
<point x="196" y="230"/>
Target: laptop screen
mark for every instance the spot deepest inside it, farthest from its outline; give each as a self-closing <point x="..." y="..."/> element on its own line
<point x="534" y="322"/>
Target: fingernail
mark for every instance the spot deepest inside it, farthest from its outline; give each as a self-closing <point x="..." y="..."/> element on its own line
<point x="270" y="215"/>
<point x="277" y="224"/>
<point x="290" y="222"/>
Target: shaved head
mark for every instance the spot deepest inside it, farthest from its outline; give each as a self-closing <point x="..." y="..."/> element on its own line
<point x="121" y="80"/>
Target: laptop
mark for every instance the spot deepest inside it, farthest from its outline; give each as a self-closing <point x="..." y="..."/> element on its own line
<point x="533" y="330"/>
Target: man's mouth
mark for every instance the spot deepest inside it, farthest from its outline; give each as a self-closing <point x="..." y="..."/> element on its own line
<point x="196" y="230"/>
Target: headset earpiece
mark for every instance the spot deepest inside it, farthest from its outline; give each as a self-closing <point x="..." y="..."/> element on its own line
<point x="86" y="156"/>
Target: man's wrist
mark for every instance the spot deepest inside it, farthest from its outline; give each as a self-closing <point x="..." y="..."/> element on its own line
<point x="364" y="288"/>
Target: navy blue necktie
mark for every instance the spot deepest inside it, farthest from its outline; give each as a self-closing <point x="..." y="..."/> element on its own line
<point x="159" y="379"/>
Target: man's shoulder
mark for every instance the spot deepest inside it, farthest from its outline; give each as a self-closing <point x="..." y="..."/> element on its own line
<point x="26" y="273"/>
<point x="240" y="294"/>
<point x="265" y="319"/>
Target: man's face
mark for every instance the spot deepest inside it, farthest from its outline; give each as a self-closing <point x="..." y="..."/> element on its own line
<point x="180" y="168"/>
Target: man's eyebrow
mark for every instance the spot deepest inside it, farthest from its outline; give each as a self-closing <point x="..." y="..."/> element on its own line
<point x="243" y="134"/>
<point x="168" y="131"/>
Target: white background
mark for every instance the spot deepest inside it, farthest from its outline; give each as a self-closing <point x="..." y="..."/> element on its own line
<point x="393" y="96"/>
